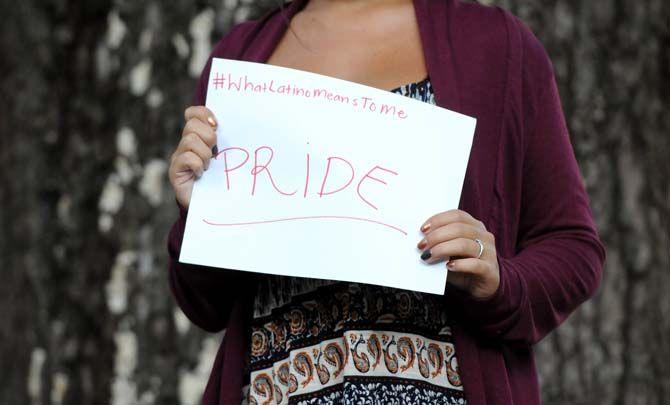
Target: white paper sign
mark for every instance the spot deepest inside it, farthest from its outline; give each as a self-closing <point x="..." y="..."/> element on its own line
<point x="323" y="178"/>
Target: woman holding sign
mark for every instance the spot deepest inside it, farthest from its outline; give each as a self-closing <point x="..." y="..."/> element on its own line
<point x="522" y="250"/>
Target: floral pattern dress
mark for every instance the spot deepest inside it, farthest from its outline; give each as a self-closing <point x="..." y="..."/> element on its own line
<point x="327" y="342"/>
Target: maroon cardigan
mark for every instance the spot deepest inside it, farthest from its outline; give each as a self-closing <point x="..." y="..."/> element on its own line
<point x="522" y="181"/>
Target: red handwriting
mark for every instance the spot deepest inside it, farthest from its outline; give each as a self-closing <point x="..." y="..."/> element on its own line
<point x="368" y="176"/>
<point x="315" y="217"/>
<point x="264" y="168"/>
<point x="325" y="176"/>
<point x="223" y="81"/>
<point x="263" y="156"/>
<point x="304" y="194"/>
<point x="225" y="163"/>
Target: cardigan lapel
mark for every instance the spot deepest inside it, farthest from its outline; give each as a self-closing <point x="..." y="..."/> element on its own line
<point x="457" y="59"/>
<point x="436" y="27"/>
<point x="432" y="18"/>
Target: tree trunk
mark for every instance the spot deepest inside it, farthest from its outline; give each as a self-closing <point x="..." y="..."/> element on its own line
<point x="92" y="101"/>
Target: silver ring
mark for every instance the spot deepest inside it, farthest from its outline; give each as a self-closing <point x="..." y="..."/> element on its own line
<point x="481" y="248"/>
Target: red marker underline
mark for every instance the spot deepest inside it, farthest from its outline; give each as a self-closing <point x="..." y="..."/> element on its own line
<point x="269" y="221"/>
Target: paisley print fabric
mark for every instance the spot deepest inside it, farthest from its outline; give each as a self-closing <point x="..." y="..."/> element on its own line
<point x="327" y="342"/>
<point x="355" y="360"/>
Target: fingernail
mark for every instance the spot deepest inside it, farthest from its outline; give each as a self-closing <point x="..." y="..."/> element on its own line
<point x="215" y="150"/>
<point x="426" y="255"/>
<point x="422" y="244"/>
<point x="211" y="121"/>
<point x="425" y="228"/>
<point x="450" y="264"/>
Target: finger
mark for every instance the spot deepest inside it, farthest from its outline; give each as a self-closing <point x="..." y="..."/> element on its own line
<point x="202" y="113"/>
<point x="471" y="266"/>
<point x="201" y="129"/>
<point x="188" y="161"/>
<point x="448" y="217"/>
<point x="195" y="144"/>
<point x="448" y="232"/>
<point x="460" y="247"/>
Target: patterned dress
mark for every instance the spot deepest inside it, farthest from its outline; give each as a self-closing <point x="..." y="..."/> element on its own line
<point x="327" y="342"/>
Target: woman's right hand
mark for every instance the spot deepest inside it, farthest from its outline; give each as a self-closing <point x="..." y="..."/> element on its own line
<point x="193" y="153"/>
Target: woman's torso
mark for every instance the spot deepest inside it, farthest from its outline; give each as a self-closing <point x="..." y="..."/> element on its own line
<point x="318" y="341"/>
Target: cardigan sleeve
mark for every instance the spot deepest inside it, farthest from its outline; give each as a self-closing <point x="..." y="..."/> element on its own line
<point x="206" y="295"/>
<point x="559" y="256"/>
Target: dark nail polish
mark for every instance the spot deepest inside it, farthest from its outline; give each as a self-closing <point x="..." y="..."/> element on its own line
<point x="426" y="255"/>
<point x="215" y="150"/>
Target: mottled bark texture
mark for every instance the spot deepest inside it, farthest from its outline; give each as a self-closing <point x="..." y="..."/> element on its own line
<point x="91" y="97"/>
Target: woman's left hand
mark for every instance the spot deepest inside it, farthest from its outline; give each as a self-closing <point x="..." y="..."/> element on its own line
<point x="452" y="236"/>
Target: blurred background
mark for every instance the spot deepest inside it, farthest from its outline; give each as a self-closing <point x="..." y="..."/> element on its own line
<point x="91" y="100"/>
